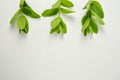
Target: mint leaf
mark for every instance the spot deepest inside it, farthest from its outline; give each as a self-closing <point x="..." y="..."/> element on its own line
<point x="61" y="29"/>
<point x="93" y="26"/>
<point x="55" y="22"/>
<point x="52" y="31"/>
<point x="88" y="3"/>
<point x="15" y="16"/>
<point x="86" y="24"/>
<point x="21" y="22"/>
<point x="57" y="4"/>
<point x="98" y="18"/>
<point x="26" y="29"/>
<point x="66" y="11"/>
<point x="85" y="17"/>
<point x="57" y="30"/>
<point x="26" y="5"/>
<point x="28" y="11"/>
<point x="50" y="12"/>
<point x="66" y="3"/>
<point x="64" y="26"/>
<point x="96" y="7"/>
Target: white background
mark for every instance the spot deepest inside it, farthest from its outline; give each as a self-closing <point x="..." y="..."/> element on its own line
<point x="41" y="56"/>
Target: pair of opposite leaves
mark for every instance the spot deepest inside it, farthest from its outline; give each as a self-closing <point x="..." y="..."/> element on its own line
<point x="90" y="20"/>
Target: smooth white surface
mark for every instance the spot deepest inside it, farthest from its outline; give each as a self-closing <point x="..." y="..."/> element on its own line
<point x="40" y="56"/>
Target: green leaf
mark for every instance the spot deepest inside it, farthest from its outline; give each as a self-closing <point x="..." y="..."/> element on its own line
<point x="88" y="3"/>
<point x="91" y="31"/>
<point x="96" y="7"/>
<point x="67" y="3"/>
<point x="86" y="24"/>
<point x="50" y="12"/>
<point x="21" y="22"/>
<point x="85" y="32"/>
<point x="22" y="3"/>
<point x="26" y="29"/>
<point x="64" y="26"/>
<point x="88" y="30"/>
<point x="55" y="22"/>
<point x="61" y="29"/>
<point x="93" y="25"/>
<point x="28" y="11"/>
<point x="66" y="11"/>
<point x="57" y="4"/>
<point x="26" y="5"/>
<point x="98" y="18"/>
<point x="57" y="30"/>
<point x="15" y="16"/>
<point x="85" y="17"/>
<point x="52" y="31"/>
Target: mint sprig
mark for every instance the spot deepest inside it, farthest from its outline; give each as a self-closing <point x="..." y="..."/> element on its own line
<point x="58" y="25"/>
<point x="20" y="16"/>
<point x="92" y="18"/>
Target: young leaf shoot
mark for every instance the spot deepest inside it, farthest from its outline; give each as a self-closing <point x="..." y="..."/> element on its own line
<point x="57" y="25"/>
<point x="92" y="18"/>
<point x="20" y="16"/>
